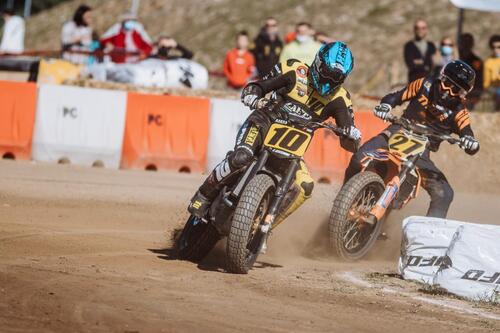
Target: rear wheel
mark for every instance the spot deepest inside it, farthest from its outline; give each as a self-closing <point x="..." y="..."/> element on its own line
<point x="196" y="240"/>
<point x="350" y="237"/>
<point x="245" y="238"/>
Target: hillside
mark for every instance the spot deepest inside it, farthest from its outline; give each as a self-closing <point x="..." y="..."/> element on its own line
<point x="376" y="30"/>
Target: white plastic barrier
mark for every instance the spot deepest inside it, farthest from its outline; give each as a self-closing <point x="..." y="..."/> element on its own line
<point x="180" y="73"/>
<point x="80" y="124"/>
<point x="424" y="244"/>
<point x="472" y="265"/>
<point x="226" y="118"/>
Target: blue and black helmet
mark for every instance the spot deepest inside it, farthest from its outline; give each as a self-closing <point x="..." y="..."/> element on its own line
<point x="330" y="68"/>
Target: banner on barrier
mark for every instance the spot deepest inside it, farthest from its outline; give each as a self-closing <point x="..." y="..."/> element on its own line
<point x="166" y="132"/>
<point x="17" y="116"/>
<point x="82" y="125"/>
<point x="472" y="265"/>
<point x="226" y="118"/>
<point x="424" y="244"/>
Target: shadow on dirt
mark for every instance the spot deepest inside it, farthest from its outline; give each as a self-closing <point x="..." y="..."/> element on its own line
<point x="214" y="262"/>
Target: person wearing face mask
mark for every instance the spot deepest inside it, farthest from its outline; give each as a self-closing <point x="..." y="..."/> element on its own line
<point x="128" y="36"/>
<point x="168" y="48"/>
<point x="438" y="103"/>
<point x="466" y="52"/>
<point x="418" y="53"/>
<point x="267" y="47"/>
<point x="492" y="71"/>
<point x="447" y="53"/>
<point x="304" y="48"/>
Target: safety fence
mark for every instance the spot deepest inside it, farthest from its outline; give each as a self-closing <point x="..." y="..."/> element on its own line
<point x="118" y="129"/>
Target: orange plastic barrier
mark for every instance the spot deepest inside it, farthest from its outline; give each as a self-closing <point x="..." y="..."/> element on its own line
<point x="166" y="132"/>
<point x="325" y="158"/>
<point x="17" y="117"/>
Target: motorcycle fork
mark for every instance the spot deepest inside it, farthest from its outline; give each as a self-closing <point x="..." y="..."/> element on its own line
<point x="391" y="191"/>
<point x="279" y="195"/>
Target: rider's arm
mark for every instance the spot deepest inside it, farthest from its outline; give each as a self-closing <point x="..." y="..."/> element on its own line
<point x="463" y="128"/>
<point x="341" y="110"/>
<point x="407" y="93"/>
<point x="275" y="81"/>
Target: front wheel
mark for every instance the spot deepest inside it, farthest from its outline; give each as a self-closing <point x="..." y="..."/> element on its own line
<point x="350" y="237"/>
<point x="245" y="238"/>
<point x="196" y="240"/>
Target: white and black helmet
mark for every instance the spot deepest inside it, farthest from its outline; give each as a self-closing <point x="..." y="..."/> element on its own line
<point x="457" y="78"/>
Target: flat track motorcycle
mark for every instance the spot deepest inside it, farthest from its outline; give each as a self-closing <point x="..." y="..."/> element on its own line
<point x="246" y="211"/>
<point x="389" y="180"/>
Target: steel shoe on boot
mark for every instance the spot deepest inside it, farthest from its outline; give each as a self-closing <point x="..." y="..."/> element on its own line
<point x="199" y="205"/>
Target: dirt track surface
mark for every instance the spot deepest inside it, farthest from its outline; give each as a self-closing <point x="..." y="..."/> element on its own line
<point x="85" y="250"/>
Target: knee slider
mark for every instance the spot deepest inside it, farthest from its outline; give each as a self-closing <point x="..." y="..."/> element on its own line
<point x="241" y="157"/>
<point x="308" y="188"/>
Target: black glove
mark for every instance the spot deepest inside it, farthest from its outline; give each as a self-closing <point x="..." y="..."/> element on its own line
<point x="250" y="95"/>
<point x="382" y="111"/>
<point x="469" y="144"/>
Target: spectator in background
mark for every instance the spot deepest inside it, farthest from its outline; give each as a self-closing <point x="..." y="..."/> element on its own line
<point x="127" y="36"/>
<point x="76" y="35"/>
<point x="268" y="46"/>
<point x="492" y="71"/>
<point x="239" y="65"/>
<point x="418" y="53"/>
<point x="322" y="38"/>
<point x="447" y="52"/>
<point x="167" y="48"/>
<point x="465" y="49"/>
<point x="304" y="47"/>
<point x="13" y="33"/>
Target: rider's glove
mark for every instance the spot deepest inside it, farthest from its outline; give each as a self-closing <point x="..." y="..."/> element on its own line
<point x="250" y="95"/>
<point x="469" y="144"/>
<point x="382" y="111"/>
<point x="353" y="133"/>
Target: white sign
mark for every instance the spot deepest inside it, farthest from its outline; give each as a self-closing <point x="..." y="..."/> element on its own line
<point x="82" y="125"/>
<point x="226" y="118"/>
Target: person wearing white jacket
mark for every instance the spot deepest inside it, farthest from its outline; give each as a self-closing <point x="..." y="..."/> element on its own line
<point x="13" y="33"/>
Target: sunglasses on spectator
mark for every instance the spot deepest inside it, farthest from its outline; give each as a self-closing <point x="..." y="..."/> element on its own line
<point x="421" y="28"/>
<point x="447" y="44"/>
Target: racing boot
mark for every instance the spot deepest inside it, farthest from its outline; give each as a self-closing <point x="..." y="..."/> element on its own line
<point x="199" y="205"/>
<point x="201" y="201"/>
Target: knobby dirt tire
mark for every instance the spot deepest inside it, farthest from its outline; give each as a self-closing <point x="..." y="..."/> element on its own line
<point x="241" y="226"/>
<point x="340" y="210"/>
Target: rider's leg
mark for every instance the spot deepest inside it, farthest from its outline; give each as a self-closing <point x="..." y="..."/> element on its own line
<point x="436" y="184"/>
<point x="300" y="191"/>
<point x="355" y="164"/>
<point x="249" y="139"/>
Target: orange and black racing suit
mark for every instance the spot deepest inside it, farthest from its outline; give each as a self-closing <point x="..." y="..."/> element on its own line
<point x="444" y="116"/>
<point x="291" y="88"/>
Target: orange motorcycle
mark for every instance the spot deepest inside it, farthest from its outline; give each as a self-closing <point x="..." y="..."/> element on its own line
<point x="389" y="180"/>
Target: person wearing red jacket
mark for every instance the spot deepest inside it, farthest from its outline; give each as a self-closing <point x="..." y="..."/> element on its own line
<point x="239" y="65"/>
<point x="127" y="41"/>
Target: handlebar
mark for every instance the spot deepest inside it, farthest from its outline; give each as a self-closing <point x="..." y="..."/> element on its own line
<point x="266" y="103"/>
<point x="422" y="129"/>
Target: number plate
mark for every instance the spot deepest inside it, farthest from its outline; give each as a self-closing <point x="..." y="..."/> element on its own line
<point x="405" y="144"/>
<point x="287" y="139"/>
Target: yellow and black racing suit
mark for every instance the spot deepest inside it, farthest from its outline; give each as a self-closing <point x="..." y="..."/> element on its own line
<point x="291" y="88"/>
<point x="424" y="107"/>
